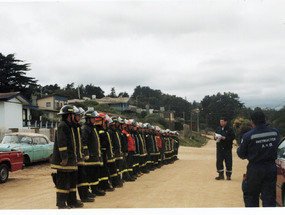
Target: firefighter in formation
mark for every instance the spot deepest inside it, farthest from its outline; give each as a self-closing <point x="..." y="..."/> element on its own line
<point x="104" y="153"/>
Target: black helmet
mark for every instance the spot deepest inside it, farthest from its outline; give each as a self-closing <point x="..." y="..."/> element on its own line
<point x="90" y="114"/>
<point x="66" y="109"/>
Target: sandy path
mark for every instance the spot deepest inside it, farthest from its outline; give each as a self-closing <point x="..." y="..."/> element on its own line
<point x="188" y="183"/>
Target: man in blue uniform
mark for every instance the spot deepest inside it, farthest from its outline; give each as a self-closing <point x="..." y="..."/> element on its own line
<point x="259" y="147"/>
<point x="224" y="137"/>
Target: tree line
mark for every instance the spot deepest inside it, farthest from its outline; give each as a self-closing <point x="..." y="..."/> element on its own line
<point x="208" y="111"/>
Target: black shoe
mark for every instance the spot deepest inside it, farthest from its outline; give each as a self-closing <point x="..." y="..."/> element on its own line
<point x="110" y="189"/>
<point x="78" y="204"/>
<point x="228" y="178"/>
<point x="99" y="192"/>
<point x="145" y="171"/>
<point x="130" y="179"/>
<point x="88" y="200"/>
<point x="63" y="207"/>
<point x="220" y="177"/>
<point x="91" y="195"/>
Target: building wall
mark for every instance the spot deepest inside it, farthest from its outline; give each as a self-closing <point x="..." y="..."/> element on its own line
<point x="11" y="114"/>
<point x="55" y="103"/>
<point x="42" y="103"/>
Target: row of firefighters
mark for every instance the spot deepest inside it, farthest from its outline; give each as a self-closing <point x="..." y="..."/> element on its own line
<point x="103" y="153"/>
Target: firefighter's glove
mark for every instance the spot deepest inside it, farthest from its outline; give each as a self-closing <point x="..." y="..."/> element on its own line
<point x="86" y="157"/>
<point x="64" y="162"/>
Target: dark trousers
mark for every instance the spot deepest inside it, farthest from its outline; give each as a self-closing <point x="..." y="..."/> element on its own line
<point x="114" y="177"/>
<point x="82" y="182"/>
<point x="125" y="171"/>
<point x="130" y="162"/>
<point x="66" y="188"/>
<point x="224" y="155"/>
<point x="93" y="173"/>
<point x="260" y="179"/>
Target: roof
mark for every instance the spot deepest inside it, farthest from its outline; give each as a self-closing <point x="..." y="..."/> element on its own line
<point x="10" y="95"/>
<point x="56" y="97"/>
<point x="109" y="100"/>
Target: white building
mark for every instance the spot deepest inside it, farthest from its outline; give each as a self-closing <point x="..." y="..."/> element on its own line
<point x="14" y="110"/>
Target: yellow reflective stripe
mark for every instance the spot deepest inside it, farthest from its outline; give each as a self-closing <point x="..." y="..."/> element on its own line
<point x="62" y="191"/>
<point x="119" y="158"/>
<point x="64" y="167"/>
<point x="62" y="149"/>
<point x="85" y="147"/>
<point x="74" y="143"/>
<point x="81" y="163"/>
<point x="130" y="170"/>
<point x="72" y="190"/>
<point x="128" y="135"/>
<point x="83" y="184"/>
<point x="93" y="163"/>
<point x="135" y="165"/>
<point x="79" y="139"/>
<point x="120" y="151"/>
<point x="98" y="140"/>
<point x="110" y="143"/>
<point x="103" y="179"/>
<point x="114" y="175"/>
<point x="101" y="132"/>
<point x="111" y="161"/>
<point x="94" y="183"/>
<point x="142" y="142"/>
<point x="125" y="170"/>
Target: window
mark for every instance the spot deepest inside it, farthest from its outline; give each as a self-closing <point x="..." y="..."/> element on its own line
<point x="48" y="104"/>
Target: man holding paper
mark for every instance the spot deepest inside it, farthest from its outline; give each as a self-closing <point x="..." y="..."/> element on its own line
<point x="224" y="137"/>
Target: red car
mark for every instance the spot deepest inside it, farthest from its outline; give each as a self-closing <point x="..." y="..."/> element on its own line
<point x="280" y="184"/>
<point x="10" y="161"/>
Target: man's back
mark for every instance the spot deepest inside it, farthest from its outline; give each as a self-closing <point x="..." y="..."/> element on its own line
<point x="259" y="145"/>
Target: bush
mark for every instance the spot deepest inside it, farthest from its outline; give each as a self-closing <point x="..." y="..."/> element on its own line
<point x="196" y="140"/>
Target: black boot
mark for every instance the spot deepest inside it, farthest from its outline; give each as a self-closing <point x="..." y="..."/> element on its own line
<point x="229" y="174"/>
<point x="221" y="176"/>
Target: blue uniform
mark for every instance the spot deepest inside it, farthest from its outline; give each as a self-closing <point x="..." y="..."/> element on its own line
<point x="259" y="147"/>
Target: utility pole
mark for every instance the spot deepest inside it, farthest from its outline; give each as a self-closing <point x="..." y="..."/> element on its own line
<point x="191" y="119"/>
<point x="198" y="129"/>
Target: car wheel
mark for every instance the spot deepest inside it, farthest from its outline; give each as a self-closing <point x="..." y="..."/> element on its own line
<point x="26" y="159"/>
<point x="4" y="173"/>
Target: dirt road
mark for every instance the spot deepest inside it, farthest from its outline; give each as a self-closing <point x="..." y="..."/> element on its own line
<point x="188" y="183"/>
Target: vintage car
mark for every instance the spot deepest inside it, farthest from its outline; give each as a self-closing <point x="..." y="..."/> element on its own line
<point x="35" y="147"/>
<point x="10" y="161"/>
<point x="280" y="184"/>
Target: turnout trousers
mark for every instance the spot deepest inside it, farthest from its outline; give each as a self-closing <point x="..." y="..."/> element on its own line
<point x="82" y="182"/>
<point x="66" y="188"/>
<point x="224" y="155"/>
<point x="260" y="179"/>
<point x="93" y="173"/>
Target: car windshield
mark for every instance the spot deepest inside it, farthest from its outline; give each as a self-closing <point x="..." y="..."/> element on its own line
<point x="16" y="139"/>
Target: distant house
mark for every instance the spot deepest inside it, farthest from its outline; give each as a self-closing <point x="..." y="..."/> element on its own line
<point x="121" y="103"/>
<point x="14" y="110"/>
<point x="51" y="104"/>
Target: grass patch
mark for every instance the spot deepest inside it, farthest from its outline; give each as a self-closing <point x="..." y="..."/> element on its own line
<point x="197" y="140"/>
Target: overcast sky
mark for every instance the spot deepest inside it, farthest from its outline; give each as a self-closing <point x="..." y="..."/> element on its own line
<point x="188" y="48"/>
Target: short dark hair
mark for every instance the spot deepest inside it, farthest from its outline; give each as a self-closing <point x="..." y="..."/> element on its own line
<point x="258" y="117"/>
<point x="224" y="118"/>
